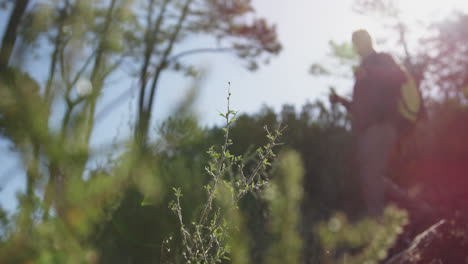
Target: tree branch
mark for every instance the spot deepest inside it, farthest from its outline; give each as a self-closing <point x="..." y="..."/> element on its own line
<point x="55" y="54"/>
<point x="63" y="69"/>
<point x="9" y="38"/>
<point x="81" y="70"/>
<point x="107" y="108"/>
<point x="151" y="35"/>
<point x="196" y="51"/>
<point x="149" y="46"/>
<point x="161" y="66"/>
<point x="97" y="68"/>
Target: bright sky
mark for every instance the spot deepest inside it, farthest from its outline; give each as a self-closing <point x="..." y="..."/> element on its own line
<point x="430" y="9"/>
<point x="304" y="28"/>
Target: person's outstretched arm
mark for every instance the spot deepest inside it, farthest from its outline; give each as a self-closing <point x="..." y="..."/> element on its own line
<point x="334" y="98"/>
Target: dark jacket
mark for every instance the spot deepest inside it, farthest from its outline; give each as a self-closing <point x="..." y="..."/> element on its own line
<point x="376" y="92"/>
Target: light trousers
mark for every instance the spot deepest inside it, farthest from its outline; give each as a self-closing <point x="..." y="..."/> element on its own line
<point x="373" y="152"/>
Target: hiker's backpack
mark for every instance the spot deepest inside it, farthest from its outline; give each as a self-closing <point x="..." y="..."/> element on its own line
<point x="410" y="105"/>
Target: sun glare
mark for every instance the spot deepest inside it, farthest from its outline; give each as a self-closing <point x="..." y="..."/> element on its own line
<point x="424" y="10"/>
<point x="417" y="15"/>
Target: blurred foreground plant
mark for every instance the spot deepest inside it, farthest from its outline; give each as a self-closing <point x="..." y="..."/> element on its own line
<point x="366" y="241"/>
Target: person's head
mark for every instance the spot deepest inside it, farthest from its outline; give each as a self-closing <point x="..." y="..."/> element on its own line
<point x="363" y="42"/>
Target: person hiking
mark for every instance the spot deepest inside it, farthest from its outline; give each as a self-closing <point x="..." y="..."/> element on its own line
<point x="375" y="117"/>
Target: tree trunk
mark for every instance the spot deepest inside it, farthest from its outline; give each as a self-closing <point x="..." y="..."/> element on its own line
<point x="10" y="36"/>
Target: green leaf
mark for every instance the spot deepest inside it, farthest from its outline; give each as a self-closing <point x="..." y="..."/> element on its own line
<point x="146" y="202"/>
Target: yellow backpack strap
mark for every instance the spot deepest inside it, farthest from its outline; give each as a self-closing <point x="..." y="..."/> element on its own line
<point x="409" y="102"/>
